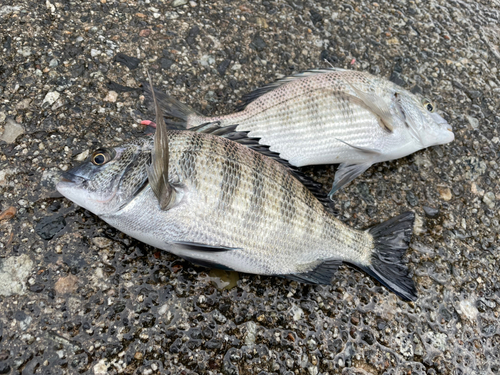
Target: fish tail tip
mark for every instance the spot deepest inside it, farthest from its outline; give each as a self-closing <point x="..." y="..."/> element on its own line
<point x="391" y="240"/>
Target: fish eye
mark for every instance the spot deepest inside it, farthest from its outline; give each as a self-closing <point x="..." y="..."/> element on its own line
<point x="100" y="157"/>
<point x="428" y="105"/>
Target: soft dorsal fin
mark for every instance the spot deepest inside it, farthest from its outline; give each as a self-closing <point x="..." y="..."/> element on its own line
<point x="251" y="96"/>
<point x="158" y="170"/>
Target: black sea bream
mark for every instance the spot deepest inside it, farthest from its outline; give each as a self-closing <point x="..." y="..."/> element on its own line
<point x="218" y="203"/>
<point x="331" y="116"/>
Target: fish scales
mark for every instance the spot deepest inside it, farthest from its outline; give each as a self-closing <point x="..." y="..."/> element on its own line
<point x="331" y="116"/>
<point x="272" y="242"/>
<point x="232" y="207"/>
<point x="291" y="119"/>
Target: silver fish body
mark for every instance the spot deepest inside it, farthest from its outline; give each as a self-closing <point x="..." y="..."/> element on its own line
<point x="332" y="116"/>
<point x="234" y="208"/>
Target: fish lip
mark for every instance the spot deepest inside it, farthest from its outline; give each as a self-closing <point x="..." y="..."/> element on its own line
<point x="68" y="177"/>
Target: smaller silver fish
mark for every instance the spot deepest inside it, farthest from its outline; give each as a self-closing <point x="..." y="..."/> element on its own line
<point x="218" y="203"/>
<point x="330" y="116"/>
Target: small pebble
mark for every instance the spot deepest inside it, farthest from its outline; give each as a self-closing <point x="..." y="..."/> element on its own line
<point x="66" y="284"/>
<point x="102" y="242"/>
<point x="430" y="211"/>
<point x="178" y="3"/>
<point x="445" y="193"/>
<point x="12" y="130"/>
<point x="51" y="97"/>
<point x="111" y="97"/>
<point x="8" y="213"/>
<point x="489" y="199"/>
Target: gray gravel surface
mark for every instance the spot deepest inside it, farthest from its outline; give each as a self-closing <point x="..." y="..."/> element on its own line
<point x="76" y="296"/>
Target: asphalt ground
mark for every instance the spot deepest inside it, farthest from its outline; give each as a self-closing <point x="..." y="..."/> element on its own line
<point x="77" y="296"/>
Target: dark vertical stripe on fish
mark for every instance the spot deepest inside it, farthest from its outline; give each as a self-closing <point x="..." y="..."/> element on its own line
<point x="287" y="203"/>
<point x="188" y="157"/>
<point x="230" y="173"/>
<point x="258" y="191"/>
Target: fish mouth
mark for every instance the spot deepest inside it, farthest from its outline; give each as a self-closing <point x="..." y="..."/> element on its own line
<point x="68" y="177"/>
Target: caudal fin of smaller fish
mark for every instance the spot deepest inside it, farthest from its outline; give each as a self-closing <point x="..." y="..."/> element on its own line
<point x="391" y="239"/>
<point x="175" y="113"/>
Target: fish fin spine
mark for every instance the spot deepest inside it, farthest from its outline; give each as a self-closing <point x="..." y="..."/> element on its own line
<point x="390" y="242"/>
<point x="158" y="170"/>
<point x="320" y="274"/>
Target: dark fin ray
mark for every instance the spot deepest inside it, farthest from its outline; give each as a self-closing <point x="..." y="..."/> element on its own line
<point x="391" y="239"/>
<point x="195" y="246"/>
<point x="206" y="263"/>
<point x="253" y="143"/>
<point x="158" y="170"/>
<point x="345" y="174"/>
<point x="257" y="93"/>
<point x="175" y="112"/>
<point x="321" y="274"/>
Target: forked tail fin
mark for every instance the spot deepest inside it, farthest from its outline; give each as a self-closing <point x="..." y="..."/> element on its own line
<point x="175" y="113"/>
<point x="391" y="239"/>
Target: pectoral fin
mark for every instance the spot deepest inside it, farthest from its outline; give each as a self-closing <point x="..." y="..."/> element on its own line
<point x="158" y="170"/>
<point x="346" y="173"/>
<point x="377" y="105"/>
<point x="365" y="150"/>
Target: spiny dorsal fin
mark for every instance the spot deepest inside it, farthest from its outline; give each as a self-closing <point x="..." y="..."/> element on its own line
<point x="251" y="96"/>
<point x="158" y="170"/>
<point x="175" y="113"/>
<point x="229" y="132"/>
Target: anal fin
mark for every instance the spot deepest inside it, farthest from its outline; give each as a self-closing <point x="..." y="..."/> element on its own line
<point x="321" y="274"/>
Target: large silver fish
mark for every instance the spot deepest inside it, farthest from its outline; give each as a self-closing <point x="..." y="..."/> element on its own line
<point x="331" y="116"/>
<point x="218" y="203"/>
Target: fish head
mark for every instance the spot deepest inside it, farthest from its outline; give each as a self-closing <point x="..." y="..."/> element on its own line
<point x="422" y="121"/>
<point x="108" y="179"/>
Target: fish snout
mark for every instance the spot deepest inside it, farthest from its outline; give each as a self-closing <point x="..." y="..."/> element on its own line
<point x="72" y="178"/>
